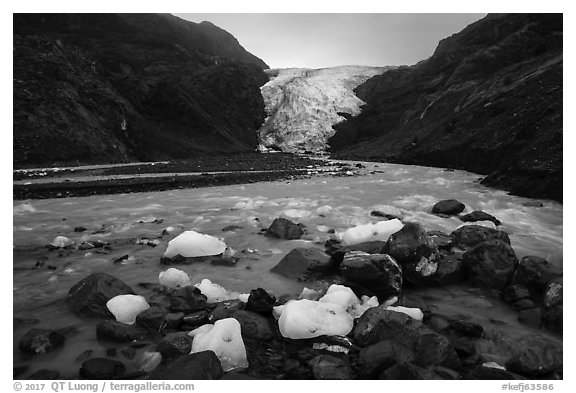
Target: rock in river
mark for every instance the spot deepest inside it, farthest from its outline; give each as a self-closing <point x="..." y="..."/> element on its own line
<point x="283" y="228"/>
<point x="379" y="323"/>
<point x="37" y="341"/>
<point x="468" y="236"/>
<point x="101" y="368"/>
<point x="534" y="273"/>
<point x="89" y="296"/>
<point x="196" y="366"/>
<point x="449" y="207"/>
<point x="302" y="263"/>
<point x="378" y="272"/>
<point x="490" y="264"/>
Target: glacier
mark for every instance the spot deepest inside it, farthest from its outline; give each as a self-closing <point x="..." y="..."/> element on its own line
<point x="303" y="104"/>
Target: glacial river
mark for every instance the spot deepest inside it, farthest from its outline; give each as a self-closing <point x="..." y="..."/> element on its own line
<point x="321" y="203"/>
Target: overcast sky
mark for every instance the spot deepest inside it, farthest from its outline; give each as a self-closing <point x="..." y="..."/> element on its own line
<point x="326" y="40"/>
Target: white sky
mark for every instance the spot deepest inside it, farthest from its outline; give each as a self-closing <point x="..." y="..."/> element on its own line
<point x="326" y="40"/>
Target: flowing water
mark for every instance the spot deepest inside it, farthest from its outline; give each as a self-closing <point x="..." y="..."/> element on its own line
<point x="321" y="203"/>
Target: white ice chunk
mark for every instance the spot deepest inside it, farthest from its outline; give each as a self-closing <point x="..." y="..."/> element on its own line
<point x="369" y="232"/>
<point x="125" y="308"/>
<point x="214" y="292"/>
<point x="194" y="244"/>
<point x="62" y="241"/>
<point x="340" y="295"/>
<point x="309" y="294"/>
<point x="225" y="339"/>
<point x="173" y="278"/>
<point x="150" y="360"/>
<point x="296" y="213"/>
<point x="483" y="223"/>
<point x="493" y="365"/>
<point x="415" y="313"/>
<point x="244" y="297"/>
<point x="324" y="209"/>
<point x="306" y="319"/>
<point x="322" y="228"/>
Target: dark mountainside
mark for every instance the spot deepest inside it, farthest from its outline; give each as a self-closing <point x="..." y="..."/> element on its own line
<point x="101" y="88"/>
<point x="489" y="101"/>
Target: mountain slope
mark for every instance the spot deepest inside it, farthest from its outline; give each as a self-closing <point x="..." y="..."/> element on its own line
<point x="303" y="104"/>
<point x="489" y="100"/>
<point x="92" y="88"/>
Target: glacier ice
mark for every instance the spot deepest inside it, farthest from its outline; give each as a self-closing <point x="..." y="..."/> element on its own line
<point x="173" y="278"/>
<point x="214" y="292"/>
<point x="125" y="308"/>
<point x="193" y="244"/>
<point x="304" y="318"/>
<point x="415" y="313"/>
<point x="369" y="232"/>
<point x="340" y="295"/>
<point x="62" y="242"/>
<point x="224" y="338"/>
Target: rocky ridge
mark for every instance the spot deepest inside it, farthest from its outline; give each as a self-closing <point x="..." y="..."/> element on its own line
<point x="489" y="101"/>
<point x="102" y="88"/>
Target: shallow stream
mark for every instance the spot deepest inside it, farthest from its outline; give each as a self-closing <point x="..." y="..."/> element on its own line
<point x="321" y="203"/>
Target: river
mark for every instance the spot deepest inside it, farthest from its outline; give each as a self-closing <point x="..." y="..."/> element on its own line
<point x="320" y="202"/>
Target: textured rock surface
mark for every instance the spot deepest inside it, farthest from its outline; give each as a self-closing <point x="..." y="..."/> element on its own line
<point x="117" y="87"/>
<point x="303" y="104"/>
<point x="89" y="296"/>
<point x="489" y="101"/>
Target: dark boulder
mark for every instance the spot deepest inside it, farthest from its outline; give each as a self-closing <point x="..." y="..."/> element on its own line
<point x="224" y="309"/>
<point x="174" y="345"/>
<point x="449" y="207"/>
<point x="553" y="293"/>
<point x="196" y="366"/>
<point x="45" y="374"/>
<point x="469" y="236"/>
<point x="37" y="341"/>
<point x="450" y="270"/>
<point x="490" y="264"/>
<point x="260" y="301"/>
<point x="337" y="251"/>
<point x="411" y="244"/>
<point x="102" y="368"/>
<point x="440" y="239"/>
<point x="378" y="324"/>
<point x="479" y="215"/>
<point x="330" y="367"/>
<point x="435" y="349"/>
<point x="120" y="332"/>
<point x="531" y="317"/>
<point x="89" y="296"/>
<point x="534" y="273"/>
<point x="523" y="304"/>
<point x="303" y="263"/>
<point x="467" y="329"/>
<point x="254" y="325"/>
<point x="554" y="305"/>
<point x="407" y="371"/>
<point x="283" y="228"/>
<point x="378" y="272"/>
<point x="187" y="299"/>
<point x="447" y="373"/>
<point x="515" y="292"/>
<point x="152" y="319"/>
<point x="377" y="213"/>
<point x="375" y="358"/>
<point x="536" y="361"/>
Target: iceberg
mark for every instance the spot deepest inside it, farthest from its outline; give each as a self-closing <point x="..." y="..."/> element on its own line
<point x="300" y="319"/>
<point x="415" y="313"/>
<point x="173" y="278"/>
<point x="62" y="242"/>
<point x="125" y="308"/>
<point x="214" y="292"/>
<point x="191" y="244"/>
<point x="224" y="338"/>
<point x="370" y="232"/>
